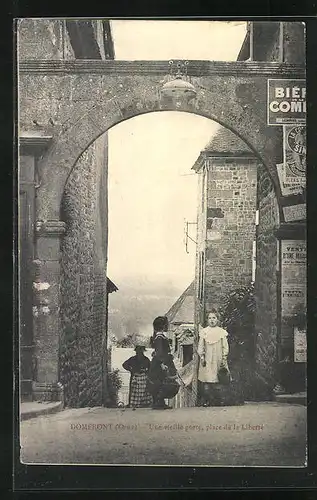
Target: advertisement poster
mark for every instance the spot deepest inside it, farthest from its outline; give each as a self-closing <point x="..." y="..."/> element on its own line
<point x="294" y="152"/>
<point x="293" y="253"/>
<point x="294" y="213"/>
<point x="300" y="346"/>
<point x="288" y="188"/>
<point x="293" y="299"/>
<point x="286" y="102"/>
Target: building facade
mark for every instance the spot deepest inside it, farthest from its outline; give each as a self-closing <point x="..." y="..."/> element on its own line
<point x="226" y="222"/>
<point x="239" y="218"/>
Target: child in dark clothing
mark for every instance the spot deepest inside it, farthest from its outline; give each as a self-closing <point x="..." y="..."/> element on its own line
<point x="162" y="377"/>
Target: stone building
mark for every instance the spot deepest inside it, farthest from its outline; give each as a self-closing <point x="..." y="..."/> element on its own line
<point x="226" y="218"/>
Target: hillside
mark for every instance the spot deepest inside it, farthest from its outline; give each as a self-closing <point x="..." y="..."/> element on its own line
<point x="137" y="302"/>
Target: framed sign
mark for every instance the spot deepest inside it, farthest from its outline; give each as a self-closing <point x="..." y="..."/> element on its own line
<point x="300" y="346"/>
<point x="293" y="261"/>
<point x="294" y="252"/>
<point x="288" y="187"/>
<point x="293" y="213"/>
<point x="286" y="102"/>
<point x="293" y="299"/>
<point x="294" y="151"/>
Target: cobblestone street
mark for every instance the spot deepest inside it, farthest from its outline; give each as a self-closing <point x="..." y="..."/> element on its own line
<point x="265" y="434"/>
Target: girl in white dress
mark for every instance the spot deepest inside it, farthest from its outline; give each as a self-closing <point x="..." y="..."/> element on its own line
<point x="213" y="351"/>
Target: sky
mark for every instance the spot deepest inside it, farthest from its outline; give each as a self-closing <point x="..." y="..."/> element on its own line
<point x="163" y="40"/>
<point x="152" y="189"/>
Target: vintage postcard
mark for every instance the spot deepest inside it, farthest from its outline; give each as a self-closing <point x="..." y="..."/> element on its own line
<point x="162" y="242"/>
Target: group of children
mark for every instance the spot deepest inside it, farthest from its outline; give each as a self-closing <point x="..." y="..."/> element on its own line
<point x="154" y="381"/>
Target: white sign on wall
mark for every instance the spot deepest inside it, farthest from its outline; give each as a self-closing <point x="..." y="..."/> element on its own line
<point x="300" y="345"/>
<point x="293" y="260"/>
<point x="294" y="252"/>
<point x="288" y="188"/>
<point x="293" y="298"/>
<point x="295" y="212"/>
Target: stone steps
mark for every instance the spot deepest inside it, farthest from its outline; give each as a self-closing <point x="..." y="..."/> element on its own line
<point x="36" y="409"/>
<point x="299" y="398"/>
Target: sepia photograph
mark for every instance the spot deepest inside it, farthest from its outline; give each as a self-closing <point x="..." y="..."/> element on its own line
<point x="161" y="242"/>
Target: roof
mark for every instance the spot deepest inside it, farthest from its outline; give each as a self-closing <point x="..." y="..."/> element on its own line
<point x="224" y="143"/>
<point x="111" y="287"/>
<point x="183" y="310"/>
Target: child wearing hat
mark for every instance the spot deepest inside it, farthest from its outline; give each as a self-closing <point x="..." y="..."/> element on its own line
<point x="138" y="366"/>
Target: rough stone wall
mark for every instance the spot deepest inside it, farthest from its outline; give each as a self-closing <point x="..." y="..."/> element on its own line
<point x="43" y="39"/>
<point x="83" y="280"/>
<point x="201" y="242"/>
<point x="97" y="27"/>
<point x="274" y="53"/>
<point x="231" y="198"/>
<point x="26" y="256"/>
<point x="266" y="280"/>
<point x="267" y="41"/>
<point x="294" y="42"/>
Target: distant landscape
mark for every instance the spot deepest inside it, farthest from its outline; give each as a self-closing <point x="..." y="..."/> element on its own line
<point x="136" y="303"/>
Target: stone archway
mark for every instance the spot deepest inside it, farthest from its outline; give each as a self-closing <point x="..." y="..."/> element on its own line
<point x="232" y="94"/>
<point x="87" y="98"/>
<point x="72" y="293"/>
